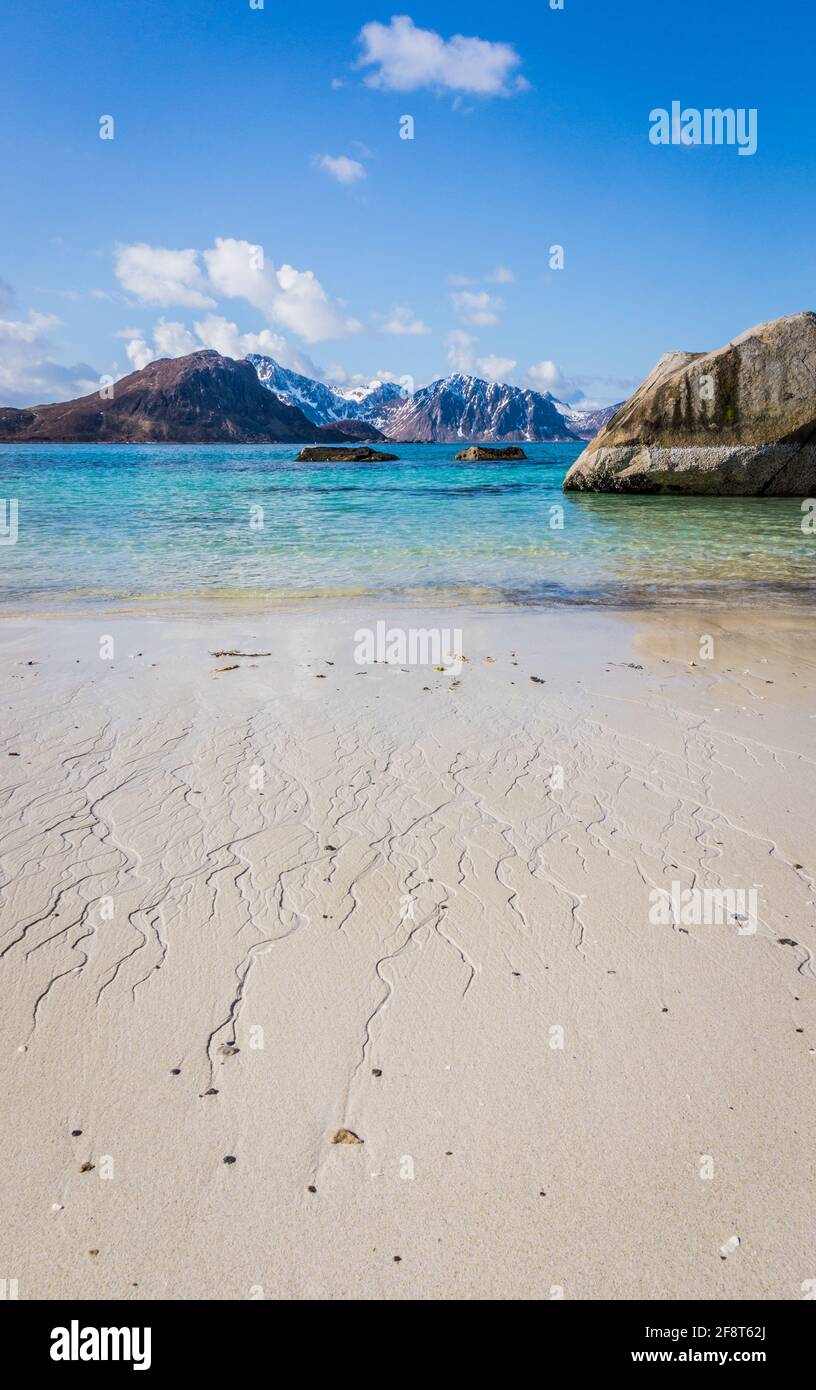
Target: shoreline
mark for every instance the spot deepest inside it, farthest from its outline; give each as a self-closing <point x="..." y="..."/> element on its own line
<point x="771" y="598"/>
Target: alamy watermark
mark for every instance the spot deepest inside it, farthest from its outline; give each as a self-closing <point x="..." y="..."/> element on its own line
<point x="710" y="126"/>
<point x="705" y="907"/>
<point x="9" y="514"/>
<point x="412" y="646"/>
<point x="75" y="1343"/>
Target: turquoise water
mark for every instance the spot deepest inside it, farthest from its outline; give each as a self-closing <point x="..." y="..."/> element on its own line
<point x="119" y="523"/>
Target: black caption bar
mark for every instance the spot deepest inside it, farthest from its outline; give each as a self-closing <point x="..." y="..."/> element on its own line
<point x="145" y="1339"/>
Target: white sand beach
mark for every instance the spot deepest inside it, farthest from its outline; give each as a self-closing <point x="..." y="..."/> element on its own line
<point x="245" y="908"/>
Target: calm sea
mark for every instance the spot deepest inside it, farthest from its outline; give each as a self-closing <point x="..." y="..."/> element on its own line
<point x="169" y="524"/>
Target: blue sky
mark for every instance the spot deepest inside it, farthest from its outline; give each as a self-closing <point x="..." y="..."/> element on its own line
<point x="409" y="257"/>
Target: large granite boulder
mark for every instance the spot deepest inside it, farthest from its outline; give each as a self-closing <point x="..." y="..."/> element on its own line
<point x="738" y="422"/>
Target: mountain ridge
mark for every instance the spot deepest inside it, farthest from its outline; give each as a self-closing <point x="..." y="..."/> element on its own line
<point x="204" y="397"/>
<point x="201" y="398"/>
<point x="448" y="410"/>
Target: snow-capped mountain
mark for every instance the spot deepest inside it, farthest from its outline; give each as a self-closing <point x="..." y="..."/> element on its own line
<point x="453" y="409"/>
<point x="375" y="402"/>
<point x="320" y="403"/>
<point x="587" y="423"/>
<point x="459" y="407"/>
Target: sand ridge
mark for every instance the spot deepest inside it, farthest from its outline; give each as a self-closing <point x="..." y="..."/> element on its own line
<point x="243" y="911"/>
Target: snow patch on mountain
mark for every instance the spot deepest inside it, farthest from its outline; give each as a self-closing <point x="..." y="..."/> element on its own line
<point x="460" y="407"/>
<point x="587" y="423"/>
<point x="452" y="409"/>
<point x="322" y="404"/>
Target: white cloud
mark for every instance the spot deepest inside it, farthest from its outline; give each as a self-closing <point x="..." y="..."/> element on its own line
<point x="293" y="299"/>
<point x="461" y="354"/>
<point x="341" y="168"/>
<point x="139" y="353"/>
<point x="30" y="331"/>
<point x="548" y="376"/>
<point x="288" y="298"/>
<point x="477" y="307"/>
<point x="405" y="58"/>
<point x="403" y="322"/>
<point x="500" y="276"/>
<point x="462" y="357"/>
<point x="496" y="368"/>
<point x="156" y="275"/>
<point x="173" y="340"/>
<point x="28" y="373"/>
<point x="169" y="339"/>
<point x="336" y="375"/>
<point x="226" y="337"/>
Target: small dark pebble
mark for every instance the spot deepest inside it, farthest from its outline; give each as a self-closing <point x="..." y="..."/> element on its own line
<point x="331" y="847"/>
<point x="175" y="1071"/>
<point x="800" y="1030"/>
<point x="311" y="1189"/>
<point x="397" y="1259"/>
<point x="542" y="1194"/>
<point x="212" y="1092"/>
<point x="375" y="1071"/>
<point x="786" y="941"/>
<point x="517" y="974"/>
<point x="537" y="680"/>
<point x="230" y="1158"/>
<point x="75" y="1133"/>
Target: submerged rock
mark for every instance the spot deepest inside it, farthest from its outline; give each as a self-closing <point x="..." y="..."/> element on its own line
<point x="737" y="422"/>
<point x="319" y="453"/>
<point x="481" y="453"/>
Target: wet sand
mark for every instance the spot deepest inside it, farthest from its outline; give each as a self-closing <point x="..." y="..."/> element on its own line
<point x="241" y="910"/>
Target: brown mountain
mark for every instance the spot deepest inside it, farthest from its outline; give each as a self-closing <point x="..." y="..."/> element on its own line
<point x="347" y="429"/>
<point x="200" y="399"/>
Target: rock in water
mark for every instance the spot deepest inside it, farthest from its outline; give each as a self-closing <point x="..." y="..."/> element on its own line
<point x="319" y="454"/>
<point x="479" y="453"/>
<point x="738" y="422"/>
